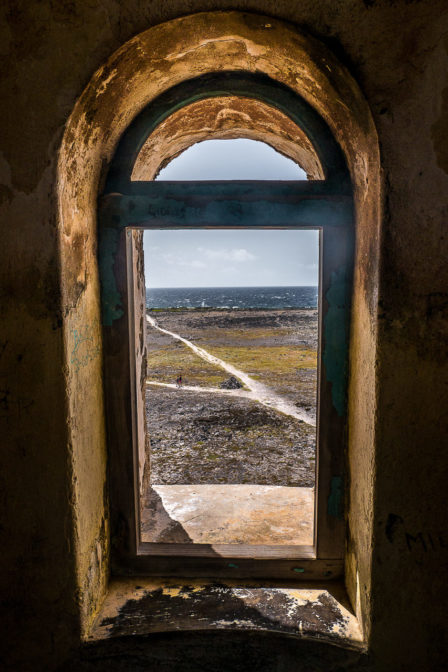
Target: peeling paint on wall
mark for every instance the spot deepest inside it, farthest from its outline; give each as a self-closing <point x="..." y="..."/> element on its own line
<point x="148" y="607"/>
<point x="86" y="346"/>
<point x="87" y="146"/>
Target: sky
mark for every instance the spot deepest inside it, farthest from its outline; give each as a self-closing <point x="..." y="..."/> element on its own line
<point x="219" y="258"/>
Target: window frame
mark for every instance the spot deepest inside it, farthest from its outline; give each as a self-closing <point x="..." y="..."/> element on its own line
<point x="326" y="205"/>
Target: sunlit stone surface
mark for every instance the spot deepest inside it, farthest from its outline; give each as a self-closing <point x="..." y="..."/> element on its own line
<point x="229" y="514"/>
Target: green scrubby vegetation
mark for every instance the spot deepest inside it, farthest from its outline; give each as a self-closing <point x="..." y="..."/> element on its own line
<point x="267" y="353"/>
<point x="166" y="363"/>
<point x="279" y="367"/>
<point x="276" y="366"/>
<point x="240" y="336"/>
<point x="274" y="359"/>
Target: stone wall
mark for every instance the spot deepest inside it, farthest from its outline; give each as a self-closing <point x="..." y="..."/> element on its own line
<point x="397" y="53"/>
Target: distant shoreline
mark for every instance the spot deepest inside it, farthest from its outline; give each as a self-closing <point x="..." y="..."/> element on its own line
<point x="234" y="298"/>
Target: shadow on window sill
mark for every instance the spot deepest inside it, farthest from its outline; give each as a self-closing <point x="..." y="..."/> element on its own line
<point x="140" y="607"/>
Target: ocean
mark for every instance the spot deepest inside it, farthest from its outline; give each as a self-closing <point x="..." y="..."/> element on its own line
<point x="232" y="297"/>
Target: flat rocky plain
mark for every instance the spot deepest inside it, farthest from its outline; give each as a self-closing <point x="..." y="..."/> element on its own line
<point x="201" y="437"/>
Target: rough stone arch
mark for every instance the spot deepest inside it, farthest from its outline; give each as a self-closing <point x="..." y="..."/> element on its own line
<point x="141" y="70"/>
<point x="225" y="117"/>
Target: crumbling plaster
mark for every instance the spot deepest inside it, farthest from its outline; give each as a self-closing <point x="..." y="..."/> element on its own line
<point x="136" y="74"/>
<point x="224" y="118"/>
<point x="396" y="53"/>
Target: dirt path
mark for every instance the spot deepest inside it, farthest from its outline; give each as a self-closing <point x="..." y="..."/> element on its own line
<point x="257" y="390"/>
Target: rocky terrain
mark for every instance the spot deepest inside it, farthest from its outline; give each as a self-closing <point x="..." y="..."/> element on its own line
<point x="201" y="437"/>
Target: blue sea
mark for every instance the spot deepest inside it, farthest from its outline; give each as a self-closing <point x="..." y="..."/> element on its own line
<point x="232" y="297"/>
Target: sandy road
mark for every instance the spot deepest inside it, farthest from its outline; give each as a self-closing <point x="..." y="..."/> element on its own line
<point x="257" y="391"/>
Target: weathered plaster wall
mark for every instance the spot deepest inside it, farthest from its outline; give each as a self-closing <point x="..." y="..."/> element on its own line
<point x="225" y="117"/>
<point x="136" y="74"/>
<point x="397" y="51"/>
<point x="410" y="509"/>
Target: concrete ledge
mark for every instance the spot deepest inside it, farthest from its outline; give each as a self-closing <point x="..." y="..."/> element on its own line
<point x="138" y="607"/>
<point x="229" y="514"/>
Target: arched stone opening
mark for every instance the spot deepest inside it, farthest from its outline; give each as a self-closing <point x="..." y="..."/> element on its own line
<point x="141" y="70"/>
<point x="226" y="117"/>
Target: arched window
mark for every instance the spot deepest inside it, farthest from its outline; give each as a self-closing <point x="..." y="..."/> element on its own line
<point x="132" y="202"/>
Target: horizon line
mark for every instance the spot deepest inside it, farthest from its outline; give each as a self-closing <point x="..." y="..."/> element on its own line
<point x="230" y="286"/>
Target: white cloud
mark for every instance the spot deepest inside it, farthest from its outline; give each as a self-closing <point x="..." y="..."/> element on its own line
<point x="175" y="260"/>
<point x="238" y="255"/>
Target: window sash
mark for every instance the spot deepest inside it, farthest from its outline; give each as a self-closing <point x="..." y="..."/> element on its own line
<point x="319" y="204"/>
<point x="277" y="205"/>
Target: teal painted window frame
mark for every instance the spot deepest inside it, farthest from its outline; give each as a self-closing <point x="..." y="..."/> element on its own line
<point x="326" y="205"/>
